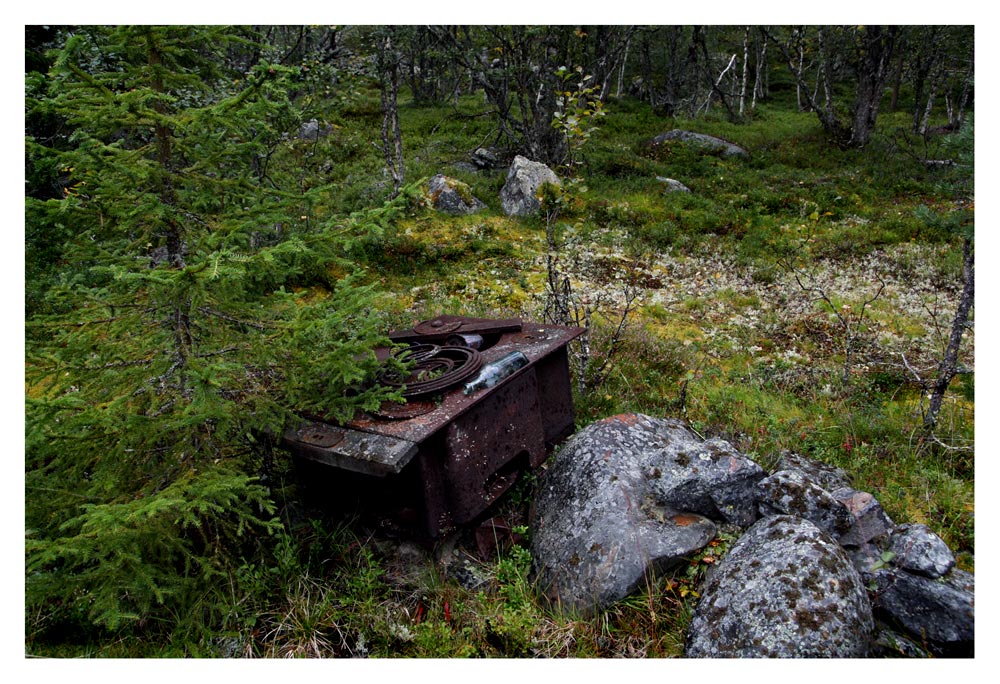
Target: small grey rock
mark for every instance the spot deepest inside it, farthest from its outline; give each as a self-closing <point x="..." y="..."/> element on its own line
<point x="869" y="521"/>
<point x="789" y="492"/>
<point x="451" y="196"/>
<point x="313" y="130"/>
<point x="673" y="185"/>
<point x="485" y="158"/>
<point x="920" y="551"/>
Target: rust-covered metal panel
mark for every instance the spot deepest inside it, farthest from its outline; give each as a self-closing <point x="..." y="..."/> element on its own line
<point x="464" y="450"/>
<point x="360" y="452"/>
<point x="488" y="446"/>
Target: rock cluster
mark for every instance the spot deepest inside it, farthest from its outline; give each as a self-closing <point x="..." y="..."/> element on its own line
<point x="820" y="570"/>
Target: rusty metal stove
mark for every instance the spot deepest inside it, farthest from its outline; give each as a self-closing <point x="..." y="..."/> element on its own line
<point x="451" y="454"/>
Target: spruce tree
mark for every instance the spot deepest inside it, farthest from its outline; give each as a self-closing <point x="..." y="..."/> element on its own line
<point x="171" y="338"/>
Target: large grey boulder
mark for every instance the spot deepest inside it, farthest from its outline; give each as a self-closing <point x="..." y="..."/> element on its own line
<point x="939" y="613"/>
<point x="784" y="590"/>
<point x="707" y="142"/>
<point x="520" y="194"/>
<point x="598" y="526"/>
<point x="452" y="196"/>
<point x="602" y="519"/>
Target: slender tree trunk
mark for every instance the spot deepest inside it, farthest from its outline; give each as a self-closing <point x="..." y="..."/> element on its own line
<point x="392" y="137"/>
<point x="960" y="118"/>
<point x="758" y="82"/>
<point x="799" y="70"/>
<point x="824" y="71"/>
<point x="928" y="108"/>
<point x="949" y="364"/>
<point x="746" y="67"/>
<point x="621" y="71"/>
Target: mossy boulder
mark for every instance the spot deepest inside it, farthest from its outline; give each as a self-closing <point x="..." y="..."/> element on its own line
<point x="452" y="196"/>
<point x="710" y="144"/>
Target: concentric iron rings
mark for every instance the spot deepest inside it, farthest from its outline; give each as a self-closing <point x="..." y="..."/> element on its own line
<point x="436" y="368"/>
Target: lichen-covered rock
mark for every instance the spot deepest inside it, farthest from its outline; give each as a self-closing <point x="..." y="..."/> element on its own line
<point x="869" y="521"/>
<point x="937" y="612"/>
<point x="920" y="551"/>
<point x="519" y="195"/>
<point x="789" y="492"/>
<point x="673" y="185"/>
<point x="706" y="142"/>
<point x="485" y="158"/>
<point x="826" y="476"/>
<point x="313" y="130"/>
<point x="599" y="526"/>
<point x="709" y="477"/>
<point x="452" y="196"/>
<point x="784" y="590"/>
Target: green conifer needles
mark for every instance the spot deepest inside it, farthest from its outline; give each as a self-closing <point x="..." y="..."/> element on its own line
<point x="192" y="309"/>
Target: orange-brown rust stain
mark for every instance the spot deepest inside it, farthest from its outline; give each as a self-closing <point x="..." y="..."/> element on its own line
<point x="684" y="520"/>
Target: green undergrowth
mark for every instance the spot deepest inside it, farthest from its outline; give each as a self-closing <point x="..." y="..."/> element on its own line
<point x="796" y="196"/>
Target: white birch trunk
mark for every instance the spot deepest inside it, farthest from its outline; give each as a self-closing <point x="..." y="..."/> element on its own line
<point x="746" y="66"/>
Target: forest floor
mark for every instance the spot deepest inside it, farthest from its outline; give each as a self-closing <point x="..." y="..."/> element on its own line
<point x="748" y="293"/>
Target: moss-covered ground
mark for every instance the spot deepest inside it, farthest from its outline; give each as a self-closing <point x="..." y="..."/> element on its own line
<point x="728" y="334"/>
